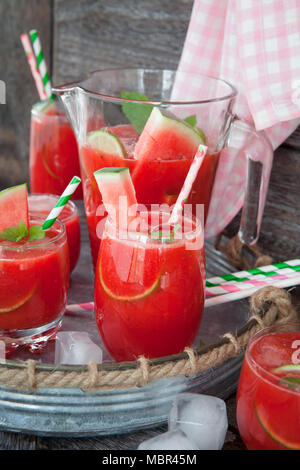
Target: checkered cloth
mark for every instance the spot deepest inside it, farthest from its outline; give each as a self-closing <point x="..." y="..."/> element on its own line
<point x="255" y="45"/>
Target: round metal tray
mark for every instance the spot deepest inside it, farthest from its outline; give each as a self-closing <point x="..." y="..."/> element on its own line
<point x="73" y="412"/>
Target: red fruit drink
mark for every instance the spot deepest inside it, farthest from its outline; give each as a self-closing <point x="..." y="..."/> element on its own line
<point x="149" y="293"/>
<point x="268" y="400"/>
<point x="34" y="278"/>
<point x="54" y="158"/>
<point x="44" y="203"/>
<point x="156" y="180"/>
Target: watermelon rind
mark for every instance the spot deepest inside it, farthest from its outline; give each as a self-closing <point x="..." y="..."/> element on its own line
<point x="159" y="122"/>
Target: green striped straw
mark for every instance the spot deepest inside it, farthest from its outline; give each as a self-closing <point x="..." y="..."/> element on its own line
<point x="64" y="198"/>
<point x="38" y="51"/>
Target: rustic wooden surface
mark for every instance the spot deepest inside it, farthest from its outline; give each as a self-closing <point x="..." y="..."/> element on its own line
<point x="17" y="17"/>
<point x="90" y="35"/>
<point x="81" y="35"/>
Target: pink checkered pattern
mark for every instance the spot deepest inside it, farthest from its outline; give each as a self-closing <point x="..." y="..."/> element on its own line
<point x="255" y="45"/>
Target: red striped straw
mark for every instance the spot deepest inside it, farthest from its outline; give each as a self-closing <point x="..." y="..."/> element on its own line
<point x="187" y="186"/>
<point x="33" y="66"/>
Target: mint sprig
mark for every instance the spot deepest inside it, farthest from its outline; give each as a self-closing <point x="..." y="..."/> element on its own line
<point x="191" y="120"/>
<point x="36" y="232"/>
<point x="19" y="233"/>
<point x="138" y="113"/>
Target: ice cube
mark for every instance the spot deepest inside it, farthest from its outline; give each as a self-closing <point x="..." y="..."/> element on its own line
<point x="170" y="440"/>
<point x="202" y="418"/>
<point x="76" y="347"/>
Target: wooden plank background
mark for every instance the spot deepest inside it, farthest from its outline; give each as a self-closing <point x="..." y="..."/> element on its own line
<point x="82" y="35"/>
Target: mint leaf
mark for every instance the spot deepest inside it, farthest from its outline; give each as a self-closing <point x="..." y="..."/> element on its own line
<point x="191" y="120"/>
<point x="136" y="113"/>
<point x="36" y="232"/>
<point x="11" y="234"/>
<point x="23" y="232"/>
<point x="16" y="234"/>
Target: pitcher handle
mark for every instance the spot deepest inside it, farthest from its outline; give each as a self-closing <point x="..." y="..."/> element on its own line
<point x="258" y="151"/>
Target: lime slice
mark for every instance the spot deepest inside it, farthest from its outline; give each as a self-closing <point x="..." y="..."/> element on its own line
<point x="107" y="142"/>
<point x="139" y="283"/>
<point x="48" y="169"/>
<point x="287" y="368"/>
<point x="273" y="434"/>
<point x="18" y="304"/>
<point x="127" y="298"/>
<point x="45" y="106"/>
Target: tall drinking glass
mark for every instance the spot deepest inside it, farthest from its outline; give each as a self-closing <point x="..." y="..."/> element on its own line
<point x="54" y="158"/>
<point x="149" y="286"/>
<point x="268" y="399"/>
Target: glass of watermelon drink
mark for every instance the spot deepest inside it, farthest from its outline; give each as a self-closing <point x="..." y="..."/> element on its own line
<point x="150" y="279"/>
<point x="268" y="399"/>
<point x="152" y="121"/>
<point x="34" y="274"/>
<point x="43" y="203"/>
<point x="54" y="155"/>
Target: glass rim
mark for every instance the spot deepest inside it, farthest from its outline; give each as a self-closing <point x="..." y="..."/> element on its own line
<point x="71" y="86"/>
<point x="267" y="375"/>
<point x="38" y="243"/>
<point x="39" y="112"/>
<point x="145" y="238"/>
<point x="56" y="197"/>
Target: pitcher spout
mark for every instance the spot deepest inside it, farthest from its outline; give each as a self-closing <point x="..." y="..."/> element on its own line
<point x="70" y="98"/>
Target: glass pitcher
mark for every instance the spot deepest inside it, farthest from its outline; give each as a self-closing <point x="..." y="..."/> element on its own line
<point x="152" y="121"/>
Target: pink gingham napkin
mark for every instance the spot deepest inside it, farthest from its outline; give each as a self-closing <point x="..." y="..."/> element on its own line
<point x="255" y="45"/>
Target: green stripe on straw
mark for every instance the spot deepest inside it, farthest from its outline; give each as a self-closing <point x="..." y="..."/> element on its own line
<point x="63" y="200"/>
<point x="293" y="265"/>
<point x="41" y="63"/>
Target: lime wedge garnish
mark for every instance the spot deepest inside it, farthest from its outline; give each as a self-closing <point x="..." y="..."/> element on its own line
<point x="18" y="304"/>
<point x="273" y="434"/>
<point x="44" y="106"/>
<point x="287" y="368"/>
<point x="107" y="142"/>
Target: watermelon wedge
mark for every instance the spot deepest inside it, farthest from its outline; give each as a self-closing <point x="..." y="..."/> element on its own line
<point x="118" y="194"/>
<point x="14" y="207"/>
<point x="165" y="138"/>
